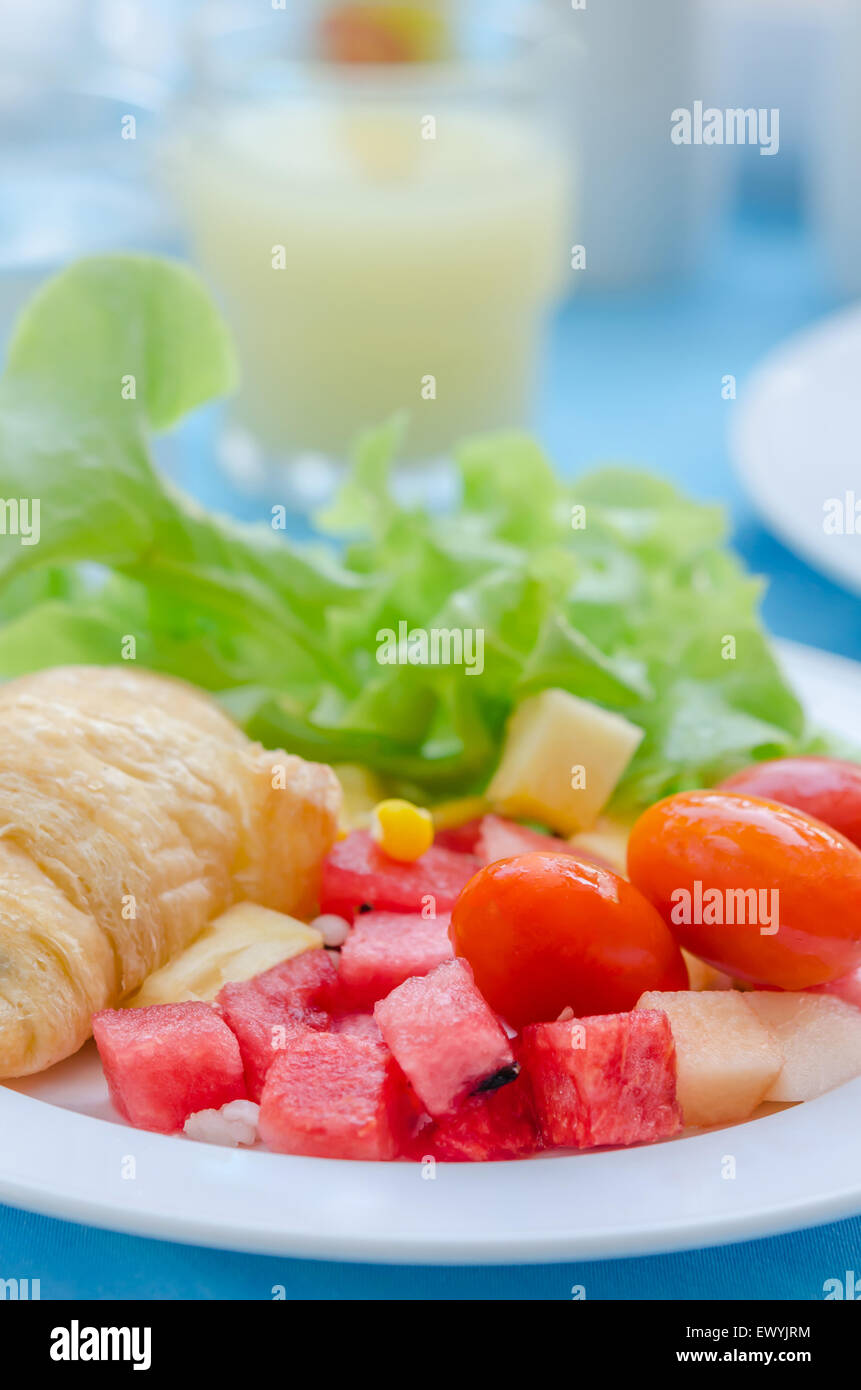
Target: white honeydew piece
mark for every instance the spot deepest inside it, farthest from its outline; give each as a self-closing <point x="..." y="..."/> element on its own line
<point x="239" y="944"/>
<point x="561" y="760"/>
<point x="727" y="1060"/>
<point x="820" y="1037"/>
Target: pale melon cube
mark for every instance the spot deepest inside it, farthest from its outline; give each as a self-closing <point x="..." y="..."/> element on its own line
<point x="608" y="839"/>
<point x="820" y="1037"/>
<point x="550" y="738"/>
<point x="241" y="943"/>
<point x="846" y="987"/>
<point x="726" y="1058"/>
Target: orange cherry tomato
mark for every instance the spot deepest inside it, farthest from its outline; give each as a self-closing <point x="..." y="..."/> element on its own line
<point x="751" y="886"/>
<point x="826" y="788"/>
<point x="544" y="932"/>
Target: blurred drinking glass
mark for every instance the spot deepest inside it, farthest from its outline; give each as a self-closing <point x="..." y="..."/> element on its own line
<point x="382" y="234"/>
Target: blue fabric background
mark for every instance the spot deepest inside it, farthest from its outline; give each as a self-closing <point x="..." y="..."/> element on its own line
<point x="628" y="379"/>
<point x="79" y="1262"/>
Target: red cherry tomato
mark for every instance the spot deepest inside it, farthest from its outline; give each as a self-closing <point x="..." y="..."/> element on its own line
<point x="723" y="869"/>
<point x="544" y="932"/>
<point x="826" y="788"/>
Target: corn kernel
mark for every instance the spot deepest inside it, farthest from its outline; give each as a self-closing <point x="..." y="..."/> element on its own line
<point x="403" y="831"/>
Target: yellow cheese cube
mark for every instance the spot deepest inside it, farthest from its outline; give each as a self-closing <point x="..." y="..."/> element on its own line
<point x="242" y="942"/>
<point x="562" y="758"/>
<point x="702" y="976"/>
<point x="447" y="815"/>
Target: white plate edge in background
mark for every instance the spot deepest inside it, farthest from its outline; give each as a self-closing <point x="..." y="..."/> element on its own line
<point x="777" y="504"/>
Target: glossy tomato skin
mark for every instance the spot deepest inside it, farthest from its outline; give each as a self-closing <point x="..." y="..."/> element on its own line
<point x="544" y="932"/>
<point x="726" y="841"/>
<point x="825" y="788"/>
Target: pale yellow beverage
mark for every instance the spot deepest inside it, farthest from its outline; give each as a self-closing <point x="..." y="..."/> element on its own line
<point x="373" y="256"/>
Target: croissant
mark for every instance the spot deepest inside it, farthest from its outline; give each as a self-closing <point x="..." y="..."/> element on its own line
<point x="132" y="811"/>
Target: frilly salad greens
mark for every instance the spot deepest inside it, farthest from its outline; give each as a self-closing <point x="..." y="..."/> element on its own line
<point x="630" y="602"/>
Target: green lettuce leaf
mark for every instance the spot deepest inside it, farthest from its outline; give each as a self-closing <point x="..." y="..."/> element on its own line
<point x="613" y="586"/>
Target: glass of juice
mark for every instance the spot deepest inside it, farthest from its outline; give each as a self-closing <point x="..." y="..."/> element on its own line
<point x="383" y="236"/>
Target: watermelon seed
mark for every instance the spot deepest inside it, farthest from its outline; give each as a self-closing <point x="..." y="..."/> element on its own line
<point x="499" y="1078"/>
<point x="366" y="907"/>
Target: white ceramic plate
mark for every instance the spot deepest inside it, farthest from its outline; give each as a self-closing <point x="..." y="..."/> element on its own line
<point x="63" y="1152"/>
<point x="797" y="444"/>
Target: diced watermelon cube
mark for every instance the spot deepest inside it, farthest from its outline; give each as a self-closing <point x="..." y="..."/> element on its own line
<point x="357" y="1025"/>
<point x="165" y="1062"/>
<point x="463" y="838"/>
<point x="263" y="1012"/>
<point x="444" y="1037"/>
<point x="503" y="839"/>
<point x="358" y="876"/>
<point x="386" y="948"/>
<point x="495" y="1125"/>
<point x="335" y="1095"/>
<point x="604" y="1080"/>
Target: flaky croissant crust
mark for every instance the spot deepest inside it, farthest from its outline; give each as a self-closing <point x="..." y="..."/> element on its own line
<point x="132" y="811"/>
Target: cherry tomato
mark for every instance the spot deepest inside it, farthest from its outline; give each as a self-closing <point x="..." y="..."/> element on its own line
<point x="544" y="932"/>
<point x="724" y="870"/>
<point x="826" y="788"/>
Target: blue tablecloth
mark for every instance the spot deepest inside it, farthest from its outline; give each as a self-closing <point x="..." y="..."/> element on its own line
<point x="627" y="379"/>
<point x="79" y="1262"/>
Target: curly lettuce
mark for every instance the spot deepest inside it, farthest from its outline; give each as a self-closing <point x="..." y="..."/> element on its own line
<point x="613" y="586"/>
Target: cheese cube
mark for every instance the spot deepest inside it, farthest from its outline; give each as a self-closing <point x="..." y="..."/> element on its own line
<point x="241" y="943"/>
<point x="561" y="761"/>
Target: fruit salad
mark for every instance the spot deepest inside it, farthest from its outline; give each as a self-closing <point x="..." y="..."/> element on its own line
<point x="478" y="988"/>
<point x="548" y="921"/>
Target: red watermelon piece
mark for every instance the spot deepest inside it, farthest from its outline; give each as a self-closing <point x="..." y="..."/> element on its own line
<point x="489" y="1127"/>
<point x="386" y="948"/>
<point x="165" y="1062"/>
<point x="335" y="1095"/>
<point x="444" y="1037"/>
<point x="503" y="839"/>
<point x="606" y="1080"/>
<point x="462" y="838"/>
<point x="358" y="1025"/>
<point x="263" y="1012"/>
<point x="358" y="876"/>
